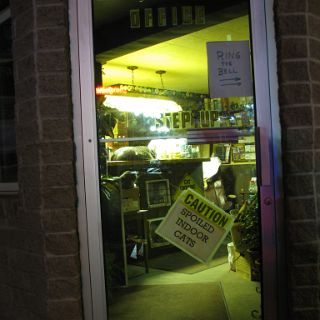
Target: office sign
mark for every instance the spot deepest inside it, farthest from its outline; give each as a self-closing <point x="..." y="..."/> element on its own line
<point x="229" y="69"/>
<point x="195" y="225"/>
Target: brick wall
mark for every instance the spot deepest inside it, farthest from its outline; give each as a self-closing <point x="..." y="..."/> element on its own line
<point x="39" y="250"/>
<point x="298" y="46"/>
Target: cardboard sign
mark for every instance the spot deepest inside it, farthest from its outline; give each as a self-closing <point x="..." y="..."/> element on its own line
<point x="185" y="183"/>
<point x="229" y="69"/>
<point x="195" y="225"/>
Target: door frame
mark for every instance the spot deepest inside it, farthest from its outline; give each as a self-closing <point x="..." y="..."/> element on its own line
<point x="83" y="95"/>
<point x="271" y="195"/>
<point x="85" y="138"/>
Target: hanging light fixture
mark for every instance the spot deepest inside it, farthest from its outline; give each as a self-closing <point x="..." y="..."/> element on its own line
<point x="148" y="106"/>
<point x="160" y="73"/>
<point x="132" y="68"/>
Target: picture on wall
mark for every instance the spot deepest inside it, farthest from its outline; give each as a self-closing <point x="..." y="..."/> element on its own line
<point x="154" y="239"/>
<point x="222" y="151"/>
<point x="158" y="193"/>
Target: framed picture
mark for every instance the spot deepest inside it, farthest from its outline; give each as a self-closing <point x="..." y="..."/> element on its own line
<point x="158" y="193"/>
<point x="222" y="151"/>
<point x="154" y="239"/>
<point x="238" y="152"/>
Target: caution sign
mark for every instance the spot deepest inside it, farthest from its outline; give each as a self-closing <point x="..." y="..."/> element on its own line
<point x="186" y="182"/>
<point x="195" y="225"/>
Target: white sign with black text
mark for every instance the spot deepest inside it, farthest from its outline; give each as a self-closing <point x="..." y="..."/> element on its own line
<point x="229" y="69"/>
<point x="195" y="225"/>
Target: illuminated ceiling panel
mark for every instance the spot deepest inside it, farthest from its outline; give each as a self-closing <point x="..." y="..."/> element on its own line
<point x="184" y="59"/>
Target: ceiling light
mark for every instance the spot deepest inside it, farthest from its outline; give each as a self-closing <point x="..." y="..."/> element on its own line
<point x="148" y="107"/>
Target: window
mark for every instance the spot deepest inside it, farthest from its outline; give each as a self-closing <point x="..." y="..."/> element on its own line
<point x="8" y="158"/>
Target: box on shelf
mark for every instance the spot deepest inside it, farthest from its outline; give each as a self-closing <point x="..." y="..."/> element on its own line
<point x="247" y="268"/>
<point x="243" y="267"/>
<point x="130" y="200"/>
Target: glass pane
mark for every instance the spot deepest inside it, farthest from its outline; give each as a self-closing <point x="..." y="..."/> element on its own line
<point x="4" y="4"/>
<point x="8" y="159"/>
<point x="177" y="157"/>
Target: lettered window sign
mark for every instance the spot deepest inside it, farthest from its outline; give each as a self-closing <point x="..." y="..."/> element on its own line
<point x="195" y="225"/>
<point x="229" y="69"/>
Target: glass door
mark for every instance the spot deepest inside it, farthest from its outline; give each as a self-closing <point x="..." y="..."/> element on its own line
<point x="178" y="170"/>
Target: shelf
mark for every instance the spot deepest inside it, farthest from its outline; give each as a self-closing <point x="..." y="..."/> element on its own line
<point x="238" y="163"/>
<point x="156" y="162"/>
<point x="218" y="135"/>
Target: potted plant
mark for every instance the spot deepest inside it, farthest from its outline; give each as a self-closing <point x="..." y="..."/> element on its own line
<point x="246" y="233"/>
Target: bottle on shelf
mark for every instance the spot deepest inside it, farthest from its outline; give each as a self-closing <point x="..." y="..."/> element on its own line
<point x="253" y="188"/>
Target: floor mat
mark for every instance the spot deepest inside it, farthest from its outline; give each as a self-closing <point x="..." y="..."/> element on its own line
<point x="192" y="301"/>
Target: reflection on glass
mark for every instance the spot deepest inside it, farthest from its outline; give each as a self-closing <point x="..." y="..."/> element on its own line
<point x="8" y="158"/>
<point x="160" y="138"/>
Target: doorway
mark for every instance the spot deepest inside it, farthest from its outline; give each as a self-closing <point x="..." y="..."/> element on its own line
<point x="163" y="131"/>
<point x="195" y="140"/>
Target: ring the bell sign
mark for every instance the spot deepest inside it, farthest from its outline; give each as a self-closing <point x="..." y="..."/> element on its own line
<point x="195" y="225"/>
<point x="229" y="69"/>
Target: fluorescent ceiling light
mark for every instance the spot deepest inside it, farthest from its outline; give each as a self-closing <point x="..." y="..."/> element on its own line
<point x="149" y="107"/>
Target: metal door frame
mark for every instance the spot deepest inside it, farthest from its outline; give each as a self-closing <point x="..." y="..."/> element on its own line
<point x="83" y="88"/>
<point x="268" y="122"/>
